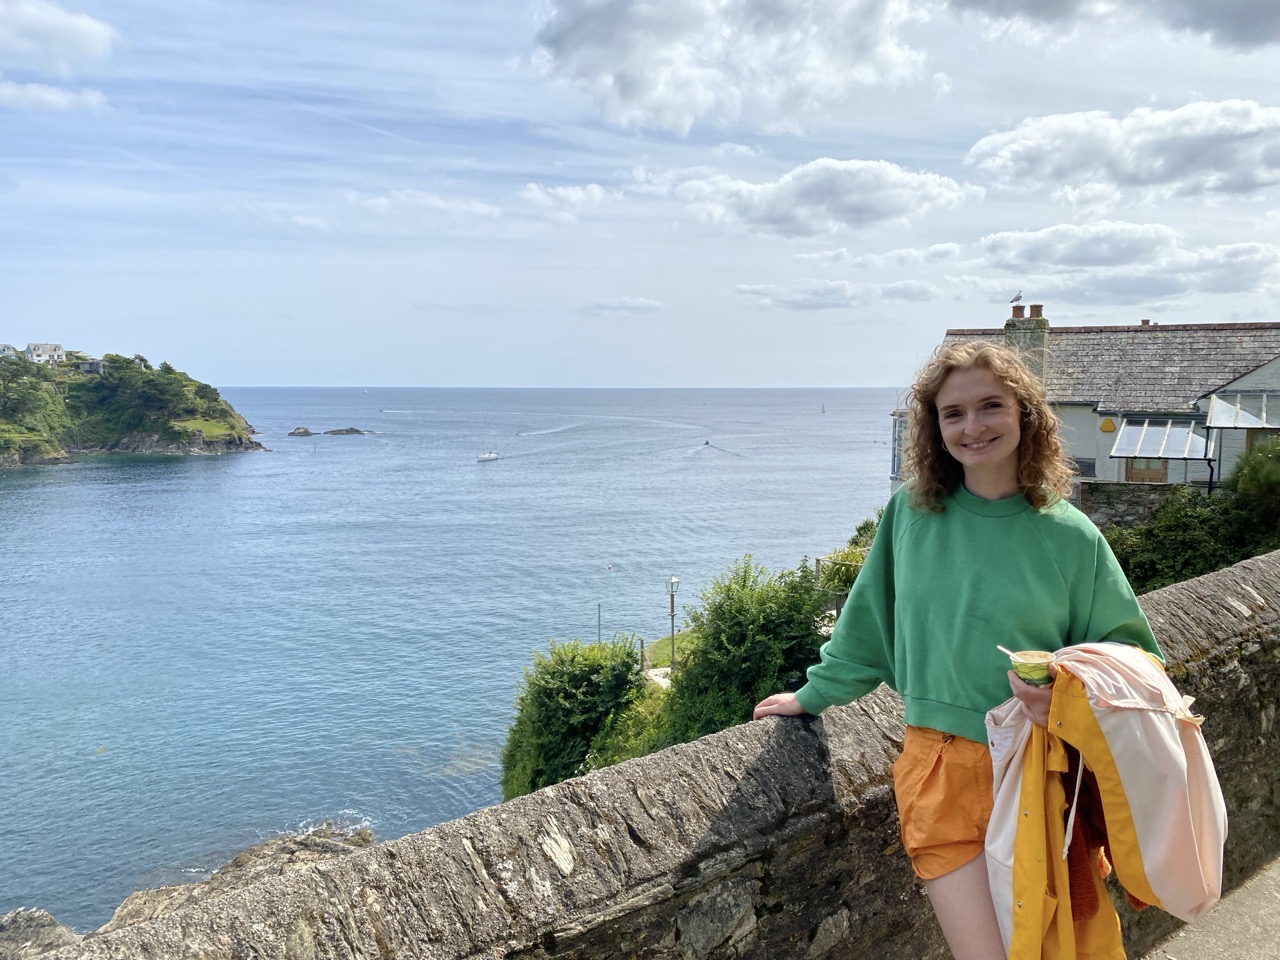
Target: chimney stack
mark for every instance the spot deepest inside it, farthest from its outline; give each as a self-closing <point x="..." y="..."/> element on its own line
<point x="1146" y="322"/>
<point x="1029" y="336"/>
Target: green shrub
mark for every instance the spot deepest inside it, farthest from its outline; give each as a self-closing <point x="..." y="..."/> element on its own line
<point x="637" y="732"/>
<point x="1189" y="535"/>
<point x="756" y="633"/>
<point x="567" y="705"/>
<point x="842" y="566"/>
<point x="1256" y="483"/>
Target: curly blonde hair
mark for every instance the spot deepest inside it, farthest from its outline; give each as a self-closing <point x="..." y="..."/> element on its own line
<point x="1044" y="473"/>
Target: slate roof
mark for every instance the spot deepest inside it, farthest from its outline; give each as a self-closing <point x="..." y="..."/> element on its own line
<point x="1161" y="368"/>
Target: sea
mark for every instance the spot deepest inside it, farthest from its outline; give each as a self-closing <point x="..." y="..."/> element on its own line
<point x="200" y="653"/>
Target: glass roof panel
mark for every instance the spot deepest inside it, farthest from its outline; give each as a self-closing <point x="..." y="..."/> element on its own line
<point x="1164" y="439"/>
<point x="1244" y="411"/>
<point x="1128" y="438"/>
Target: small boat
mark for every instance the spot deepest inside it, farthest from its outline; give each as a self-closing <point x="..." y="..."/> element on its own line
<point x="486" y="457"/>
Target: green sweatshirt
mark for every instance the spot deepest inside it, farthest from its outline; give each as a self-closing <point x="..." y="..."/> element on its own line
<point x="938" y="591"/>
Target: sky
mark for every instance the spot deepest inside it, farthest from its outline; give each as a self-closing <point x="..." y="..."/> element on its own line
<point x="625" y="193"/>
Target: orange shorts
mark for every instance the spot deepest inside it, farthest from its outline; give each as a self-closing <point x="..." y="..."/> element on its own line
<point x="943" y="785"/>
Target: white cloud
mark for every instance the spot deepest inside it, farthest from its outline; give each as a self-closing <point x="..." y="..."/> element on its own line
<point x="675" y="63"/>
<point x="1090" y="199"/>
<point x="624" y="305"/>
<point x="678" y="63"/>
<point x="1236" y="23"/>
<point x="44" y="35"/>
<point x="1121" y="262"/>
<point x="1225" y="147"/>
<point x="1069" y="245"/>
<point x="835" y="294"/>
<point x="811" y="294"/>
<point x="38" y="96"/>
<point x="936" y="253"/>
<point x="1048" y="11"/>
<point x="915" y="290"/>
<point x="819" y="197"/>
<point x="735" y="150"/>
<point x="564" y="203"/>
<point x="416" y="202"/>
<point x="840" y="255"/>
<point x="1236" y="267"/>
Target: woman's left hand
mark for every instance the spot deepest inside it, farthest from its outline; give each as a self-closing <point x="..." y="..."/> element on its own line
<point x="1035" y="700"/>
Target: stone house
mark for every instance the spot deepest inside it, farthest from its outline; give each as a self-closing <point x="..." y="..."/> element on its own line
<point x="45" y="352"/>
<point x="1147" y="402"/>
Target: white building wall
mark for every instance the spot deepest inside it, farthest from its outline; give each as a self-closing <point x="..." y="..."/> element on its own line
<point x="1084" y="439"/>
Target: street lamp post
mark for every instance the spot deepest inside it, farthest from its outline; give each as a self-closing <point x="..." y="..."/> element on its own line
<point x="673" y="585"/>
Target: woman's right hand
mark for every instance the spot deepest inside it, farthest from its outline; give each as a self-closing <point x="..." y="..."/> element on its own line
<point x="778" y="705"/>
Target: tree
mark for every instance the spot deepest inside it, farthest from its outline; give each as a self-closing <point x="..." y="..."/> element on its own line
<point x="19" y="387"/>
<point x="207" y="393"/>
<point x="1256" y="483"/>
<point x="757" y="632"/>
<point x="568" y="702"/>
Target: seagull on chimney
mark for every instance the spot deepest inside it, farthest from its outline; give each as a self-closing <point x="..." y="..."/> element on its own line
<point x="1017" y="298"/>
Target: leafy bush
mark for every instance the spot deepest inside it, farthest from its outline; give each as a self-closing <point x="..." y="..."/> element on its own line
<point x="637" y="732"/>
<point x="1189" y="535"/>
<point x="757" y="632"/>
<point x="567" y="705"/>
<point x="841" y="568"/>
<point x="1256" y="483"/>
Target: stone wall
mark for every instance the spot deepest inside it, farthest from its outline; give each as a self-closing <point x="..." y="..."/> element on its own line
<point x="774" y="840"/>
<point x="1106" y="502"/>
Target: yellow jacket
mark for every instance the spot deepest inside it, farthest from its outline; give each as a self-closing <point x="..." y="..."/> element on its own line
<point x="1165" y="819"/>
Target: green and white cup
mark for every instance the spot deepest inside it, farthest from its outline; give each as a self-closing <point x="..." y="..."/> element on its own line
<point x="1032" y="666"/>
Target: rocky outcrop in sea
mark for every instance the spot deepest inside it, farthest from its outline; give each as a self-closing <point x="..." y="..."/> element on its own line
<point x="27" y="933"/>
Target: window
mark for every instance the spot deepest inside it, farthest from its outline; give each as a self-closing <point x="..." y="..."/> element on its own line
<point x="1086" y="466"/>
<point x="901" y="436"/>
<point x="1148" y="470"/>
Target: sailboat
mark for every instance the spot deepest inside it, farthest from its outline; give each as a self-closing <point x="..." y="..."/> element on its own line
<point x="486" y="457"/>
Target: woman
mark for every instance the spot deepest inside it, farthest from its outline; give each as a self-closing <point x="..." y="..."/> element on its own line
<point x="979" y="549"/>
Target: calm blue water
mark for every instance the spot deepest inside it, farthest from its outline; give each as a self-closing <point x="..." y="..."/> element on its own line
<point x="200" y="653"/>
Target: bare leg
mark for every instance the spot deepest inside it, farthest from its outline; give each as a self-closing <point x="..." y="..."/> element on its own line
<point x="962" y="903"/>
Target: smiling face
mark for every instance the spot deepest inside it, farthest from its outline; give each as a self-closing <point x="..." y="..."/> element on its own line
<point x="980" y="421"/>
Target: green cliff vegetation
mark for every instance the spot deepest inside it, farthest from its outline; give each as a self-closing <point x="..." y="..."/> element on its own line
<point x="47" y="410"/>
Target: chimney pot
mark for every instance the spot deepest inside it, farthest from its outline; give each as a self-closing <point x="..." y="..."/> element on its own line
<point x="1017" y="311"/>
<point x="1036" y="309"/>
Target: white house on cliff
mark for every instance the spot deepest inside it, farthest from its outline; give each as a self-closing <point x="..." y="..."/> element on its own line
<point x="45" y="353"/>
<point x="1153" y="403"/>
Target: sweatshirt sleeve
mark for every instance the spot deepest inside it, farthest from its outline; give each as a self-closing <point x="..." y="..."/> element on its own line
<point x="1109" y="608"/>
<point x="859" y="655"/>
